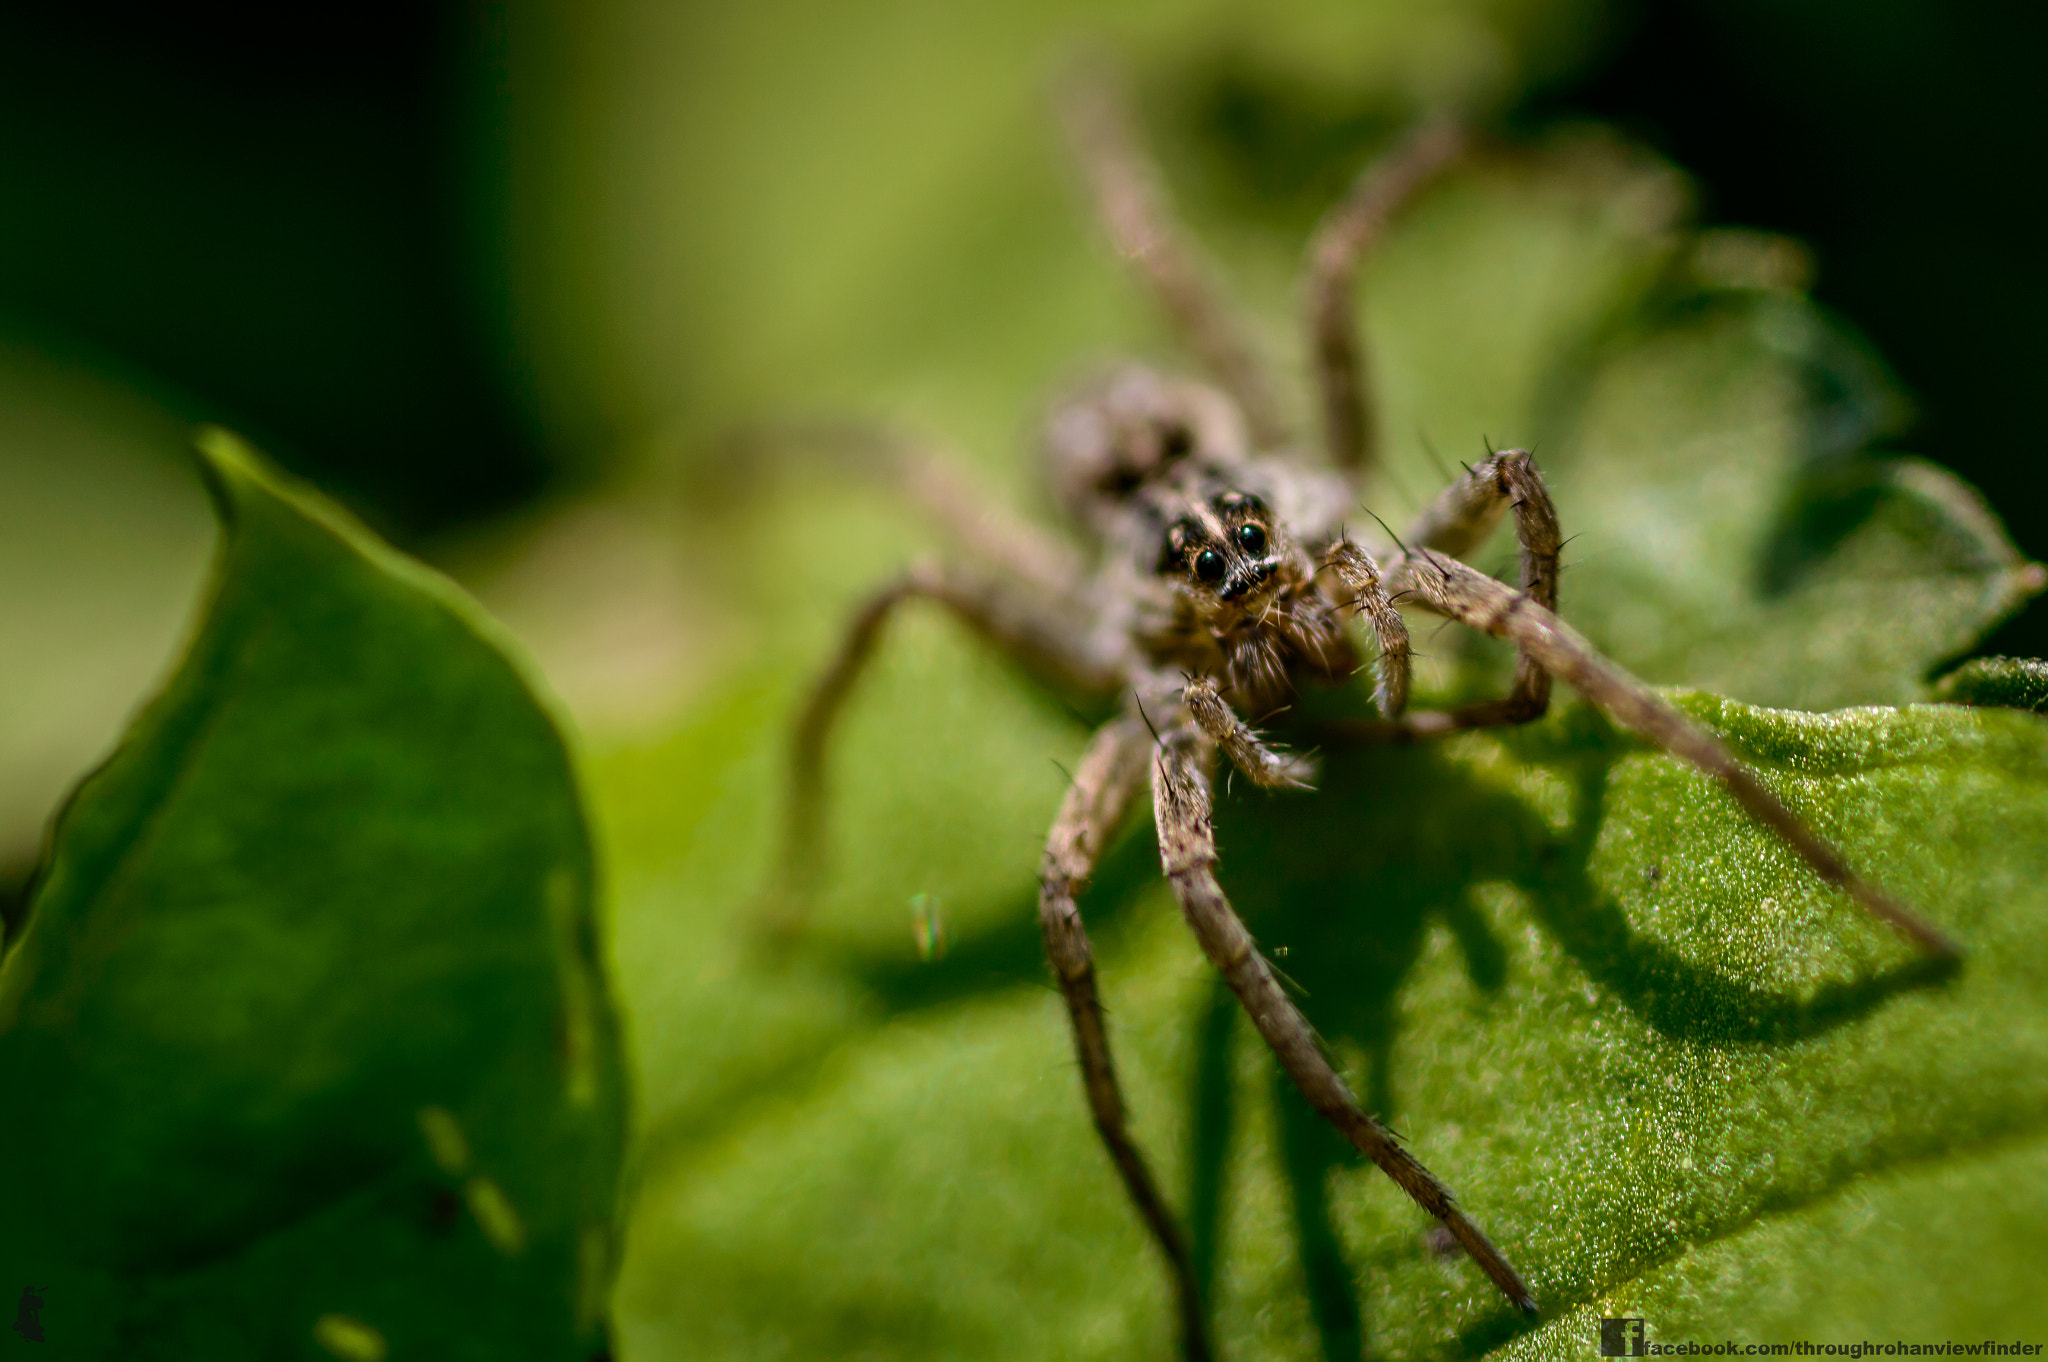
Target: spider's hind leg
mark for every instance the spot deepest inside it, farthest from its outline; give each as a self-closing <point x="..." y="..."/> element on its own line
<point x="1131" y="201"/>
<point x="922" y="474"/>
<point x="1037" y="632"/>
<point x="1346" y="235"/>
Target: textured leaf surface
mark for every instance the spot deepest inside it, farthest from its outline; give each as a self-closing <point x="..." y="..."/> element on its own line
<point x="2006" y="682"/>
<point x="306" y="1044"/>
<point x="1668" y="1069"/>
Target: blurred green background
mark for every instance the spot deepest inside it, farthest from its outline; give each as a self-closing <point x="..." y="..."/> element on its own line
<point x="502" y="278"/>
<point x="463" y="264"/>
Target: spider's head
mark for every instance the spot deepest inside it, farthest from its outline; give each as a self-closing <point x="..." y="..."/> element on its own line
<point x="1131" y="430"/>
<point x="1225" y="550"/>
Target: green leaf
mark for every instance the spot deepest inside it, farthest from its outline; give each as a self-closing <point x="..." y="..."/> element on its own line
<point x="1740" y="527"/>
<point x="1627" y="1026"/>
<point x="2008" y="682"/>
<point x="307" y="1045"/>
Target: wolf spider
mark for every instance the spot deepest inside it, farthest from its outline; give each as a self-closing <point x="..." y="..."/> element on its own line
<point x="1224" y="579"/>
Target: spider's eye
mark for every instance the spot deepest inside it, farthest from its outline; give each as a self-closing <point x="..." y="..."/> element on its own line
<point x="1251" y="539"/>
<point x="1209" y="565"/>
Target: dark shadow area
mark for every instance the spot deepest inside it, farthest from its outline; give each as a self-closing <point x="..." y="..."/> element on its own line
<point x="17" y="885"/>
<point x="1678" y="997"/>
<point x="1309" y="1152"/>
<point x="1826" y="505"/>
<point x="269" y="209"/>
<point x="1210" y="1105"/>
<point x="1900" y="139"/>
<point x="1493" y="1331"/>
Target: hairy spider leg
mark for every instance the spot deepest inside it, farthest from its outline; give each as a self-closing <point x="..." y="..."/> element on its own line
<point x="1040" y="635"/>
<point x="1104" y="782"/>
<point x="1360" y="575"/>
<point x="1463" y="593"/>
<point x="1343" y="239"/>
<point x="1181" y="763"/>
<point x="1457" y="522"/>
<point x="1267" y="766"/>
<point x="1132" y="203"/>
<point x="1038" y="638"/>
<point x="917" y="470"/>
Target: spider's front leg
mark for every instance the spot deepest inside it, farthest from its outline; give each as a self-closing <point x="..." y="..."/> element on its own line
<point x="1265" y="765"/>
<point x="1459" y="521"/>
<point x="1187" y="851"/>
<point x="1103" y="784"/>
<point x="1465" y="594"/>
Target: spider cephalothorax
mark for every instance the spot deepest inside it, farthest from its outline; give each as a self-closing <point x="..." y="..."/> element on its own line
<point x="1222" y="580"/>
<point x="1245" y="604"/>
<point x="1131" y="428"/>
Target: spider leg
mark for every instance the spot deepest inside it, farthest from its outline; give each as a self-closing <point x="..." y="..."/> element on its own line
<point x="1361" y="576"/>
<point x="1104" y="782"/>
<point x="1345" y="236"/>
<point x="1187" y="853"/>
<point x="1133" y="207"/>
<point x="974" y="523"/>
<point x="1459" y="521"/>
<point x="1038" y="634"/>
<point x="1465" y="594"/>
<point x="1265" y="765"/>
<point x="984" y="527"/>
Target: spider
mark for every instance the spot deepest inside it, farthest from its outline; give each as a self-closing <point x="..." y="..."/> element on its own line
<point x="1224" y="581"/>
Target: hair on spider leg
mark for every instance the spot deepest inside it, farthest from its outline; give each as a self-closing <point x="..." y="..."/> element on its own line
<point x="1385" y="526"/>
<point x="1295" y="987"/>
<point x="1139" y="700"/>
<point x="1437" y="633"/>
<point x="1073" y="712"/>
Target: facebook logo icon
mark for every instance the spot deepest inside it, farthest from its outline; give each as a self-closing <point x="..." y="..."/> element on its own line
<point x="1622" y="1338"/>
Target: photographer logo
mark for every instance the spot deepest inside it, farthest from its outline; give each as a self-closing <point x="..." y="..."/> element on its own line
<point x="1622" y="1338"/>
